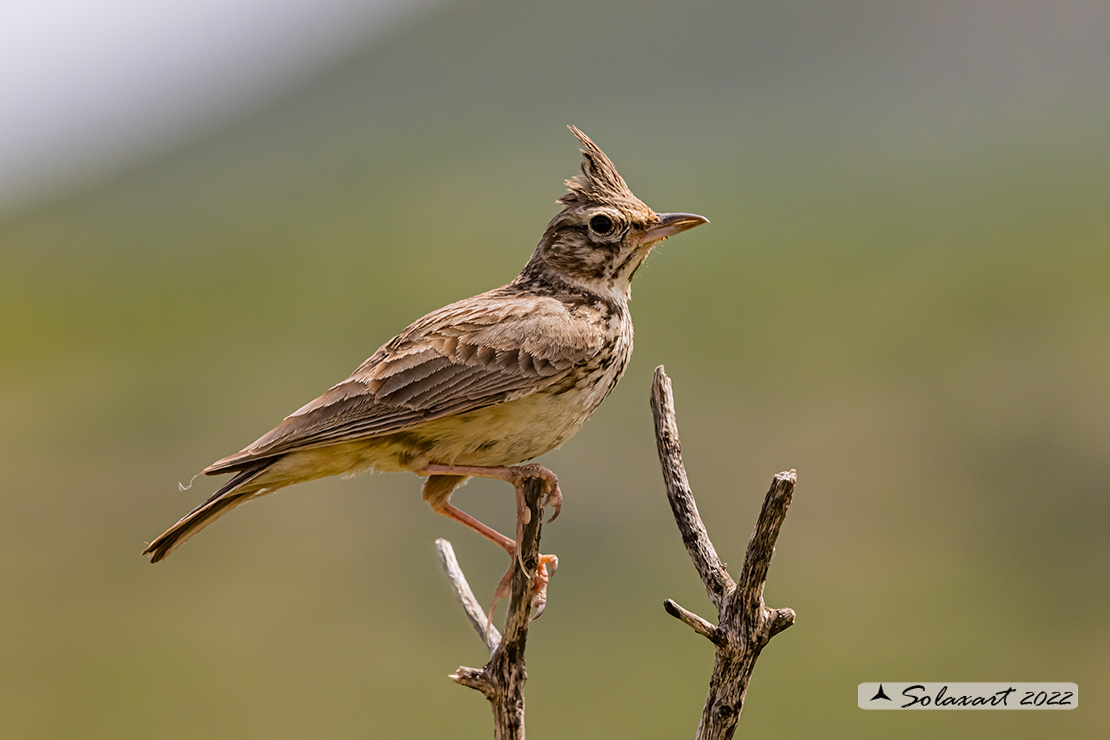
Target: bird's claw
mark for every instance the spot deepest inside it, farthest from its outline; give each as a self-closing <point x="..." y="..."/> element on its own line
<point x="539" y="583"/>
<point x="552" y="495"/>
<point x="553" y="498"/>
<point x="544" y="570"/>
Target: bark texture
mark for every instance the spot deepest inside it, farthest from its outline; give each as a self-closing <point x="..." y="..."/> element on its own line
<point x="502" y="679"/>
<point x="745" y="623"/>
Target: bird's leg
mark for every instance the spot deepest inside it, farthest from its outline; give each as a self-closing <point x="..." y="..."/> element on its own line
<point x="437" y="492"/>
<point x="443" y="479"/>
<point x="516" y="475"/>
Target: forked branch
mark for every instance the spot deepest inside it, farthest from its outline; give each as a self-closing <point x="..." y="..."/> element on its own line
<point x="502" y="679"/>
<point x="745" y="622"/>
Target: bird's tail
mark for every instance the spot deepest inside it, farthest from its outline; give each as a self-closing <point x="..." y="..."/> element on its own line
<point x="236" y="491"/>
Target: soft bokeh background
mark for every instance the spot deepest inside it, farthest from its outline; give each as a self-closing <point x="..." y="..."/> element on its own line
<point x="904" y="294"/>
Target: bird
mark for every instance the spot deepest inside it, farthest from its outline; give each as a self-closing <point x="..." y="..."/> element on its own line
<point x="481" y="386"/>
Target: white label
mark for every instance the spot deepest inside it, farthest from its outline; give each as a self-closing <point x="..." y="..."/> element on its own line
<point x="942" y="695"/>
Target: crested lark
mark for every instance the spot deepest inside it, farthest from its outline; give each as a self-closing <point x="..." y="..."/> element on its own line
<point x="480" y="385"/>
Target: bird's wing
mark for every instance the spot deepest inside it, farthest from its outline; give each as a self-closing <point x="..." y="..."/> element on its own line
<point x="471" y="354"/>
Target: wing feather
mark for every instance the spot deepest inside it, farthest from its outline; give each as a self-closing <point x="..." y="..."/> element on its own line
<point x="466" y="356"/>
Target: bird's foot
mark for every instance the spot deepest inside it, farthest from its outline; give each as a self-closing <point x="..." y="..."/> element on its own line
<point x="552" y="496"/>
<point x="539" y="583"/>
<point x="538" y="580"/>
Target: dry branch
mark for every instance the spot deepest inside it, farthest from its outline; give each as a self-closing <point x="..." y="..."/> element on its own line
<point x="502" y="679"/>
<point x="470" y="604"/>
<point x="745" y="622"/>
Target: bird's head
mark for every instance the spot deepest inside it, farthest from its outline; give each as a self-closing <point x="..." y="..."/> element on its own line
<point x="604" y="232"/>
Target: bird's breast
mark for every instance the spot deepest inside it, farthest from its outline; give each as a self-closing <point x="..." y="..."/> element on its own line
<point x="523" y="428"/>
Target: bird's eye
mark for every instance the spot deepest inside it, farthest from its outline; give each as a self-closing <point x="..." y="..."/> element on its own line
<point x="601" y="224"/>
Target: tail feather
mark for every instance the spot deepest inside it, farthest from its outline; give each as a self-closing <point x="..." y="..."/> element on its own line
<point x="236" y="491"/>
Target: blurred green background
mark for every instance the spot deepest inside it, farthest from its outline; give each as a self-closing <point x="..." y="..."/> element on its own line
<point x="904" y="294"/>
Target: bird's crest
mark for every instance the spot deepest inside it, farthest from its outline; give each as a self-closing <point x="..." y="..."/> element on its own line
<point x="599" y="180"/>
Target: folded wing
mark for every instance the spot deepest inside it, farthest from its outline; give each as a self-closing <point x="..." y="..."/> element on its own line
<point x="479" y="352"/>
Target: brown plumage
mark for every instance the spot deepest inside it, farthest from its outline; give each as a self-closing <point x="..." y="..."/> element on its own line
<point x="482" y="384"/>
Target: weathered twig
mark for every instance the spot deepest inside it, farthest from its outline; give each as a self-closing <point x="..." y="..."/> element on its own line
<point x="502" y="679"/>
<point x="745" y="623"/>
<point x="470" y="603"/>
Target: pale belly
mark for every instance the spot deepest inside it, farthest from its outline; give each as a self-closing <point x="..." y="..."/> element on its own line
<point x="505" y="434"/>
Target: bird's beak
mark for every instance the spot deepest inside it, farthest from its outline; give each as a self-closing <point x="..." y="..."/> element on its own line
<point x="672" y="223"/>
